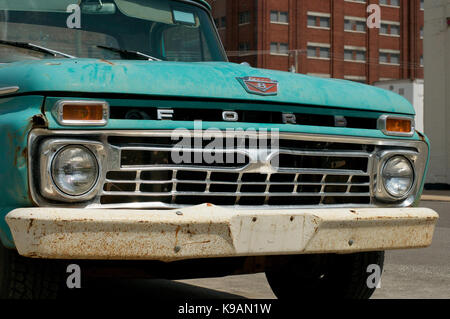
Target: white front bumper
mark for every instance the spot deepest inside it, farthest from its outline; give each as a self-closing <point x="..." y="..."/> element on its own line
<point x="210" y="231"/>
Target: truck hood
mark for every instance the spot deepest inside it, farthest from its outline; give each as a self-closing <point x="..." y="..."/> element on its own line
<point x="209" y="80"/>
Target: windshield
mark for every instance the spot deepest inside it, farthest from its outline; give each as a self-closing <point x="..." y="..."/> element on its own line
<point x="108" y="29"/>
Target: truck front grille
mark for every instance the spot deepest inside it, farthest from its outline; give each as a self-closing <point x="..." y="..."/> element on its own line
<point x="308" y="173"/>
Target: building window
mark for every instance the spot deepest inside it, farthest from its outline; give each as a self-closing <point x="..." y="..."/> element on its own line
<point x="312" y="21"/>
<point x="395" y="58"/>
<point x="320" y="75"/>
<point x="390" y="57"/>
<point x="362" y="1"/>
<point x="393" y="3"/>
<point x="353" y="54"/>
<point x="244" y="46"/>
<point x="390" y="28"/>
<point x="421" y="61"/>
<point x="355" y="24"/>
<point x="279" y="48"/>
<point x="422" y="5"/>
<point x="319" y="20"/>
<point x="324" y="53"/>
<point x="355" y="78"/>
<point x="223" y="22"/>
<point x="324" y="22"/>
<point x="279" y="17"/>
<point x="244" y="17"/>
<point x="318" y="51"/>
<point x="395" y="29"/>
<point x="421" y="32"/>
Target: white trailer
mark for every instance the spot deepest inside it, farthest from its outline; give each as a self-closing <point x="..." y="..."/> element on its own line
<point x="437" y="88"/>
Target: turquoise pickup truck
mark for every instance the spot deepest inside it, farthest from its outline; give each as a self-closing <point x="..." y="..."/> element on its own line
<point x="130" y="143"/>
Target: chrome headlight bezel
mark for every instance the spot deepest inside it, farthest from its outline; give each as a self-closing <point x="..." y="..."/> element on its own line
<point x="49" y="150"/>
<point x="381" y="193"/>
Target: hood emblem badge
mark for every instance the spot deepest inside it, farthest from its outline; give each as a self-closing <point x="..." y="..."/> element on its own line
<point x="259" y="85"/>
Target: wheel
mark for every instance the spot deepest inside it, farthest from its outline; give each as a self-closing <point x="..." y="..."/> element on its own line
<point x="26" y="278"/>
<point x="329" y="276"/>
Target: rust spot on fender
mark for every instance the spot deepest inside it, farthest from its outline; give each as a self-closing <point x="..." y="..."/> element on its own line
<point x="10" y="138"/>
<point x="39" y="120"/>
<point x="106" y="61"/>
<point x="25" y="153"/>
<point x="421" y="136"/>
<point x="16" y="155"/>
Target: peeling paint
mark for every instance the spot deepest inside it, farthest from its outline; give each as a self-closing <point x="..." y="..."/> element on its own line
<point x="106" y="61"/>
<point x="421" y="136"/>
<point x="39" y="120"/>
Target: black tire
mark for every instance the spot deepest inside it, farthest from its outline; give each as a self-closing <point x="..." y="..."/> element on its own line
<point x="325" y="276"/>
<point x="26" y="278"/>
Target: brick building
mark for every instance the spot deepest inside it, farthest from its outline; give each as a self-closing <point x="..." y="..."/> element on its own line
<point x="328" y="38"/>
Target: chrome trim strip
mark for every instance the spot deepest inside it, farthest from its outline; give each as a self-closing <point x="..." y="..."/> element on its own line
<point x="112" y="157"/>
<point x="159" y="205"/>
<point x="9" y="90"/>
<point x="208" y="181"/>
<point x="179" y="193"/>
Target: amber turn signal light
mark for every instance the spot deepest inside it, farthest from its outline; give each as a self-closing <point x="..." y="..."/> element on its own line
<point x="82" y="113"/>
<point x="399" y="126"/>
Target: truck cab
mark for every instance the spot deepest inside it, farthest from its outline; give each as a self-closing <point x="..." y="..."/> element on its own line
<point x="130" y="142"/>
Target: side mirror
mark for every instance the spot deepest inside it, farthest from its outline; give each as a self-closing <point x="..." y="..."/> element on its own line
<point x="98" y="8"/>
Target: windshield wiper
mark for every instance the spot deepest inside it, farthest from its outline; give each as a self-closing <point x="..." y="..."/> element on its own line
<point x="35" y="47"/>
<point x="126" y="54"/>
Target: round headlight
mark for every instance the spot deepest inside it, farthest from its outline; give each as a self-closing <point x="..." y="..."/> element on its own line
<point x="75" y="170"/>
<point x="398" y="176"/>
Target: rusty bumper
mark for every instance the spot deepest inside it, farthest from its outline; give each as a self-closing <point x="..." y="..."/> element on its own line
<point x="209" y="231"/>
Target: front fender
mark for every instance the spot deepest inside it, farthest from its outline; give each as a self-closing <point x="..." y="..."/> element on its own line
<point x="18" y="115"/>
